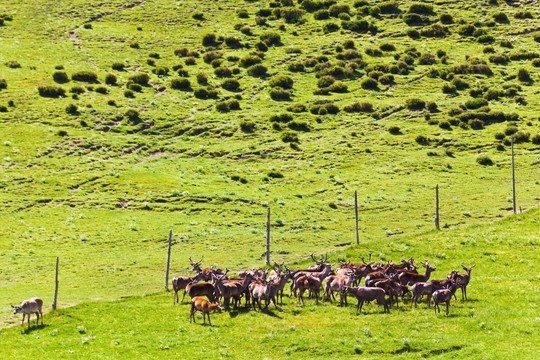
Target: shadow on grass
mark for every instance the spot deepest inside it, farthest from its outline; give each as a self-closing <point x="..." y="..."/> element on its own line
<point x="29" y="330"/>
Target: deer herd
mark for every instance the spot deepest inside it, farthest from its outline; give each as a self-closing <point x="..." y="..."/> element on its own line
<point x="384" y="282"/>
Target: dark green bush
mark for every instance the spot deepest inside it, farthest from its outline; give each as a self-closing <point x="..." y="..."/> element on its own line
<point x="476" y="103"/>
<point x="359" y="26"/>
<point x="275" y="175"/>
<point x="413" y="34"/>
<point x="72" y="109"/>
<point x="278" y="93"/>
<point x="283" y="81"/>
<point x="422" y="140"/>
<point x="257" y="70"/>
<point x="484" y="160"/>
<point x="288" y="136"/>
<point x="431" y="106"/>
<point x="270" y="38"/>
<point x="445" y="125"/>
<point x="85" y="76"/>
<point x="369" y="84"/>
<point x="183" y="52"/>
<point x="291" y="14"/>
<point x="524" y="75"/>
<point x="51" y="91"/>
<point x="102" y="90"/>
<point x="446" y="19"/>
<point x="210" y="56"/>
<point x="281" y="118"/>
<point x="223" y="71"/>
<point x="298" y="125"/>
<point x="501" y="17"/>
<point x="459" y="83"/>
<point x="134" y="87"/>
<point x="394" y="130"/>
<point x="421" y="8"/>
<point x="485" y="39"/>
<point x="181" y="84"/>
<point x="339" y="87"/>
<point x="134" y="45"/>
<point x="3" y="84"/>
<point x="161" y="71"/>
<point x="13" y="64"/>
<point x="337" y="9"/>
<point x="322" y="14"/>
<point x="77" y="90"/>
<point x="535" y="139"/>
<point x="209" y="39"/>
<point x="242" y="13"/>
<point x="247" y="126"/>
<point x="330" y="27"/>
<point x="129" y="94"/>
<point x="230" y="84"/>
<point x="249" y="60"/>
<point x="132" y="116"/>
<point x="140" y="78"/>
<point x="296" y="108"/>
<point x="413" y="19"/>
<point x="448" y="89"/>
<point x="415" y="104"/>
<point x="325" y="81"/>
<point x="521" y="136"/>
<point x="198" y="15"/>
<point x="110" y="79"/>
<point x="476" y="124"/>
<point x="60" y="77"/>
<point x="387" y="47"/>
<point x="535" y="63"/>
<point x="3" y="108"/>
<point x="434" y="30"/>
<point x="118" y="66"/>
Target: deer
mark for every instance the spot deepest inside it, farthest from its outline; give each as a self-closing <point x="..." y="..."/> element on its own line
<point x="297" y="273"/>
<point x="278" y="269"/>
<point x="204" y="306"/>
<point x="427" y="288"/>
<point x="257" y="292"/>
<point x="463" y="278"/>
<point x="392" y="288"/>
<point x="319" y="263"/>
<point x="201" y="289"/>
<point x="367" y="294"/>
<point x="230" y="288"/>
<point x="206" y="272"/>
<point x="337" y="283"/>
<point x="29" y="307"/>
<point x="375" y="276"/>
<point x="445" y="295"/>
<point x="409" y="278"/>
<point x="180" y="282"/>
<point x="308" y="282"/>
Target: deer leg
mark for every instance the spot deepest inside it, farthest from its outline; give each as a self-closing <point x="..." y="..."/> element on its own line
<point x="465" y="290"/>
<point x="183" y="296"/>
<point x="360" y="304"/>
<point x="447" y="304"/>
<point x="209" y="322"/>
<point x="23" y="319"/>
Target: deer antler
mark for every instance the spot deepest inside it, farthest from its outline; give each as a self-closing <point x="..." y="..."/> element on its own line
<point x="370" y="256"/>
<point x="222" y="276"/>
<point x="191" y="261"/>
<point x="313" y="257"/>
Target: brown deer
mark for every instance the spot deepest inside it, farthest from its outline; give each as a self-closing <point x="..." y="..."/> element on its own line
<point x="29" y="307"/>
<point x="201" y="289"/>
<point x="463" y="278"/>
<point x="204" y="306"/>
<point x="180" y="283"/>
<point x="420" y="289"/>
<point x="230" y="288"/>
<point x="367" y="294"/>
<point x="409" y="278"/>
<point x="376" y="276"/>
<point x="392" y="288"/>
<point x="336" y="283"/>
<point x="308" y="282"/>
<point x="445" y="295"/>
<point x="257" y="291"/>
<point x="206" y="272"/>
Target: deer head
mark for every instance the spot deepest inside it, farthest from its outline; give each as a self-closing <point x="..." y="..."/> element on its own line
<point x="196" y="265"/>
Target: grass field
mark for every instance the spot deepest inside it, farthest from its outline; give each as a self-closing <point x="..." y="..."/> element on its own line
<point x="178" y="116"/>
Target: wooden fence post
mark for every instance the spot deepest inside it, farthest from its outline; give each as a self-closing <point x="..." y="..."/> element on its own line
<point x="356" y="213"/>
<point x="513" y="176"/>
<point x="55" y="286"/>
<point x="437" y="207"/>
<point x="168" y="261"/>
<point x="268" y="237"/>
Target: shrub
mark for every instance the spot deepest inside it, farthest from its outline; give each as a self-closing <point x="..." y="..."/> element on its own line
<point x="60" y="77"/>
<point x="281" y="118"/>
<point x="209" y="39"/>
<point x="339" y="87"/>
<point x="524" y="75"/>
<point x="484" y="160"/>
<point x="3" y="84"/>
<point x="387" y="47"/>
<point x="198" y="15"/>
<point x="446" y="19"/>
<point x="431" y="106"/>
<point x="476" y="103"/>
<point x="283" y="81"/>
<point x="413" y="19"/>
<point x="275" y="175"/>
<point x="445" y="125"/>
<point x="413" y="33"/>
<point x="72" y="109"/>
<point x="325" y="81"/>
<point x="85" y="76"/>
<point x="521" y="136"/>
<point x="102" y="90"/>
<point x="181" y="52"/>
<point x="77" y="90"/>
<point x="182" y="73"/>
<point x="427" y="59"/>
<point x="291" y="14"/>
<point x="359" y="26"/>
<point x="415" y="104"/>
<point x="111" y="102"/>
<point x="394" y="130"/>
<point x="448" y="89"/>
<point x="51" y="91"/>
<point x="337" y="9"/>
<point x="373" y="52"/>
<point x="278" y="93"/>
<point x="330" y="27"/>
<point x="247" y="126"/>
<point x="190" y="60"/>
<point x="133" y="116"/>
<point x="270" y="38"/>
<point x="535" y="139"/>
<point x="249" y="60"/>
<point x="476" y="124"/>
<point x="421" y="140"/>
<point x="134" y="45"/>
<point x="140" y="78"/>
<point x="223" y="71"/>
<point x="485" y="39"/>
<point x="535" y="63"/>
<point x="298" y="125"/>
<point x="536" y="37"/>
<point x="13" y="64"/>
<point x="459" y="83"/>
<point x="3" y="108"/>
<point x="322" y="14"/>
<point x="129" y="94"/>
<point x="118" y="66"/>
<point x="288" y="136"/>
<point x="434" y="30"/>
<point x="421" y="8"/>
<point x="242" y="13"/>
<point x="500" y="17"/>
<point x="387" y="79"/>
<point x="210" y="56"/>
<point x="134" y="87"/>
<point x="296" y="108"/>
<point x="233" y="42"/>
<point x="257" y="70"/>
<point x="180" y="84"/>
<point x="62" y="133"/>
<point x="230" y="84"/>
<point x="369" y="84"/>
<point x="110" y="79"/>
<point x="202" y="78"/>
<point x="161" y="70"/>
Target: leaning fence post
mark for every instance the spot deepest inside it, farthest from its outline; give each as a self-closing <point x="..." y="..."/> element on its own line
<point x="55" y="286"/>
<point x="268" y="237"/>
<point x="168" y="262"/>
<point x="437" y="207"/>
<point x="356" y="213"/>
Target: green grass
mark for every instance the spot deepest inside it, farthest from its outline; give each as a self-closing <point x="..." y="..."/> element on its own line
<point x="102" y="192"/>
<point x="501" y="302"/>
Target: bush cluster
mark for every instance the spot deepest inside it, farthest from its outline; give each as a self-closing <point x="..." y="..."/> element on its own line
<point x="228" y="105"/>
<point x="51" y="91"/>
<point x="181" y="84"/>
<point x="85" y="76"/>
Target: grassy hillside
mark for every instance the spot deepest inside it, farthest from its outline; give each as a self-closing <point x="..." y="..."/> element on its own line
<point x="502" y="301"/>
<point x="122" y="120"/>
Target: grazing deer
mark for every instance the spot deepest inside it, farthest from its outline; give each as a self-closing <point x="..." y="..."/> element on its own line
<point x="206" y="272"/>
<point x="28" y="307"/>
<point x="409" y="278"/>
<point x="180" y="282"/>
<point x="367" y="294"/>
<point x="204" y="306"/>
<point x="445" y="295"/>
<point x="463" y="278"/>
